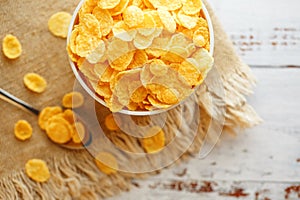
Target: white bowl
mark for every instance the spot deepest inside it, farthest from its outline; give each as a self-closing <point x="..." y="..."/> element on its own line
<point x="101" y="101"/>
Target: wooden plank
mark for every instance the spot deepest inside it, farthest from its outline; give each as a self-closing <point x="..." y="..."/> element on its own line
<point x="170" y="189"/>
<point x="265" y="158"/>
<point x="264" y="32"/>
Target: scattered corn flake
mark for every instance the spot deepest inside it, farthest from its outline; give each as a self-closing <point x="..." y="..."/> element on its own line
<point x="11" y="47"/>
<point x="166" y="4"/>
<point x="78" y="132"/>
<point x="105" y="20"/>
<point x="23" y="130"/>
<point x="35" y="82"/>
<point x="73" y="100"/>
<point x="107" y="163"/>
<point x="69" y="115"/>
<point x="108" y="4"/>
<point x="154" y="140"/>
<point x="191" y="7"/>
<point x="111" y="123"/>
<point x="167" y="20"/>
<point x="59" y="130"/>
<point x="133" y="16"/>
<point x="58" y="24"/>
<point x="46" y="114"/>
<point x="37" y="170"/>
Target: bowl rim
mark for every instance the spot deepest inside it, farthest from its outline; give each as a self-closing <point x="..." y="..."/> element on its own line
<point x="102" y="102"/>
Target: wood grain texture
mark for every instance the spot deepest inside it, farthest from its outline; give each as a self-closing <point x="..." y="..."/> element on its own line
<point x="264" y="158"/>
<point x="264" y="32"/>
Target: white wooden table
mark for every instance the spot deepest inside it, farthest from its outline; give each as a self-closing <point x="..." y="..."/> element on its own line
<point x="262" y="163"/>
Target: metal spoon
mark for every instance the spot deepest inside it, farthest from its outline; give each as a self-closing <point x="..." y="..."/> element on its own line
<point x="87" y="140"/>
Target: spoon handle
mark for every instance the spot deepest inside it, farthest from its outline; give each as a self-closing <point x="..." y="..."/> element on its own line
<point x="17" y="102"/>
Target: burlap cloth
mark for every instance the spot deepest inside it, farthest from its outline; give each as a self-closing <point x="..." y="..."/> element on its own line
<point x="73" y="173"/>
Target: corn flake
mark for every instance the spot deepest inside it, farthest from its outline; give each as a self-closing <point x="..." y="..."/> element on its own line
<point x="190" y="72"/>
<point x="69" y="115"/>
<point x="133" y="16"/>
<point x="78" y="132"/>
<point x="111" y="123"/>
<point x="166" y="4"/>
<point x="122" y="62"/>
<point x="35" y="82"/>
<point x="154" y="140"/>
<point x="46" y="114"/>
<point x="107" y="163"/>
<point x="105" y="20"/>
<point x="108" y="4"/>
<point x="169" y="96"/>
<point x="191" y="7"/>
<point x="23" y="130"/>
<point x="148" y="25"/>
<point x="73" y="100"/>
<point x="11" y="47"/>
<point x="121" y="31"/>
<point x="139" y="59"/>
<point x="58" y="24"/>
<point x="201" y="36"/>
<point x="187" y="21"/>
<point x="119" y="8"/>
<point x="59" y="130"/>
<point x="37" y="170"/>
<point x="98" y="54"/>
<point x="167" y="20"/>
<point x="158" y="67"/>
<point x="142" y="42"/>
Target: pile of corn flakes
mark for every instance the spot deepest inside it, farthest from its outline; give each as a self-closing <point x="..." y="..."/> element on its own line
<point x="141" y="54"/>
<point x="63" y="126"/>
